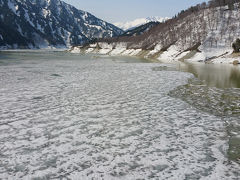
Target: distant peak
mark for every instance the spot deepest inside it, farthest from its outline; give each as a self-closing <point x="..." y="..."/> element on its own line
<point x="138" y="22"/>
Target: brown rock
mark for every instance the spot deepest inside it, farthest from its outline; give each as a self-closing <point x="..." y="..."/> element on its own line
<point x="236" y="62"/>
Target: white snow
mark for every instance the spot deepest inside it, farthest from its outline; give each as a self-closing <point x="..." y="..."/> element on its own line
<point x="89" y="50"/>
<point x="173" y="53"/>
<point x="135" y="52"/>
<point x="181" y="55"/>
<point x="45" y="12"/>
<point x="28" y="18"/>
<point x="85" y="16"/>
<point x="75" y="50"/>
<point x="127" y="52"/>
<point x="104" y="51"/>
<point x="105" y="45"/>
<point x="156" y="49"/>
<point x="170" y="54"/>
<point x="93" y="45"/>
<point x="138" y="22"/>
<point x="1" y="37"/>
<point x="199" y="56"/>
<point x="11" y="6"/>
<point x="117" y="51"/>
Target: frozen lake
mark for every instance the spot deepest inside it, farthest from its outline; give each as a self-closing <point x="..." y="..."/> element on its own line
<point x="66" y="116"/>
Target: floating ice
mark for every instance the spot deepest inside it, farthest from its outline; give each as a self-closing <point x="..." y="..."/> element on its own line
<point x="103" y="120"/>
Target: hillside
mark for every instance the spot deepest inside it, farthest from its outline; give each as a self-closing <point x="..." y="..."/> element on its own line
<point x="43" y="23"/>
<point x="205" y="32"/>
<point x="140" y="29"/>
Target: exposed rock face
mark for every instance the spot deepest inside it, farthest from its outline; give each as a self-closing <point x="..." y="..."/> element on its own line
<point x="41" y="23"/>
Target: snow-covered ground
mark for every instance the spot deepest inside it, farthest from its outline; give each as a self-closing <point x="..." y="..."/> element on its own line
<point x="77" y="117"/>
<point x="172" y="54"/>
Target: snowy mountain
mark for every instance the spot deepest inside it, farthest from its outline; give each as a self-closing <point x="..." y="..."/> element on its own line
<point x="207" y="32"/>
<point x="43" y="23"/>
<point x="140" y="29"/>
<point x="138" y="22"/>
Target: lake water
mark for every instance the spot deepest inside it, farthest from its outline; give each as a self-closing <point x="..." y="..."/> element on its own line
<point x="67" y="116"/>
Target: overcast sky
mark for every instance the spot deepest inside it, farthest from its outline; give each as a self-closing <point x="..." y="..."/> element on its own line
<point x="125" y="10"/>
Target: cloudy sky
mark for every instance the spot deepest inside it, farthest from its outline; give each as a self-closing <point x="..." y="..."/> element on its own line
<point x="125" y="10"/>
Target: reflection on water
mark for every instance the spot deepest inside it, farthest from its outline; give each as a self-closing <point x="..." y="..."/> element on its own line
<point x="214" y="75"/>
<point x="216" y="90"/>
<point x="223" y="103"/>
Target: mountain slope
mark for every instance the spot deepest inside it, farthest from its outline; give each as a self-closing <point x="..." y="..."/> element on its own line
<point x="205" y="32"/>
<point x="140" y="29"/>
<point x="138" y="22"/>
<point x="41" y="23"/>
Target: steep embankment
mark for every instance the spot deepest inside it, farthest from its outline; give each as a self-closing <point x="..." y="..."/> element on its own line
<point x="42" y="23"/>
<point x="205" y="32"/>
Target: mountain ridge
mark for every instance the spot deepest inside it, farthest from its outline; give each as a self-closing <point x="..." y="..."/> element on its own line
<point x="140" y="29"/>
<point x="129" y="25"/>
<point x="203" y="33"/>
<point x="43" y="23"/>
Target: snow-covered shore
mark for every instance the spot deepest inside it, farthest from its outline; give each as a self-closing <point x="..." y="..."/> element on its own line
<point x="197" y="35"/>
<point x="173" y="53"/>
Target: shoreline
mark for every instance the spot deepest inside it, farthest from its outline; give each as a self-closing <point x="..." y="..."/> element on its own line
<point x="171" y="55"/>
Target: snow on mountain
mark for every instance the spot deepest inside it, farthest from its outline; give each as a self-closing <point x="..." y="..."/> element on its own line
<point x="140" y="29"/>
<point x="43" y="23"/>
<point x="204" y="33"/>
<point x="138" y="22"/>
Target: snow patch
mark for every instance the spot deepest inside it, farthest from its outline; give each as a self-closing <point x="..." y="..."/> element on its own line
<point x="89" y="50"/>
<point x="45" y="12"/>
<point x="183" y="54"/>
<point x="28" y="18"/>
<point x="135" y="52"/>
<point x="104" y="51"/>
<point x="119" y="48"/>
<point x="93" y="45"/>
<point x="105" y="45"/>
<point x="117" y="51"/>
<point x="171" y="53"/>
<point x="127" y="52"/>
<point x="76" y="50"/>
<point x="85" y="16"/>
<point x="12" y="6"/>
<point x="156" y="49"/>
<point x="199" y="56"/>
